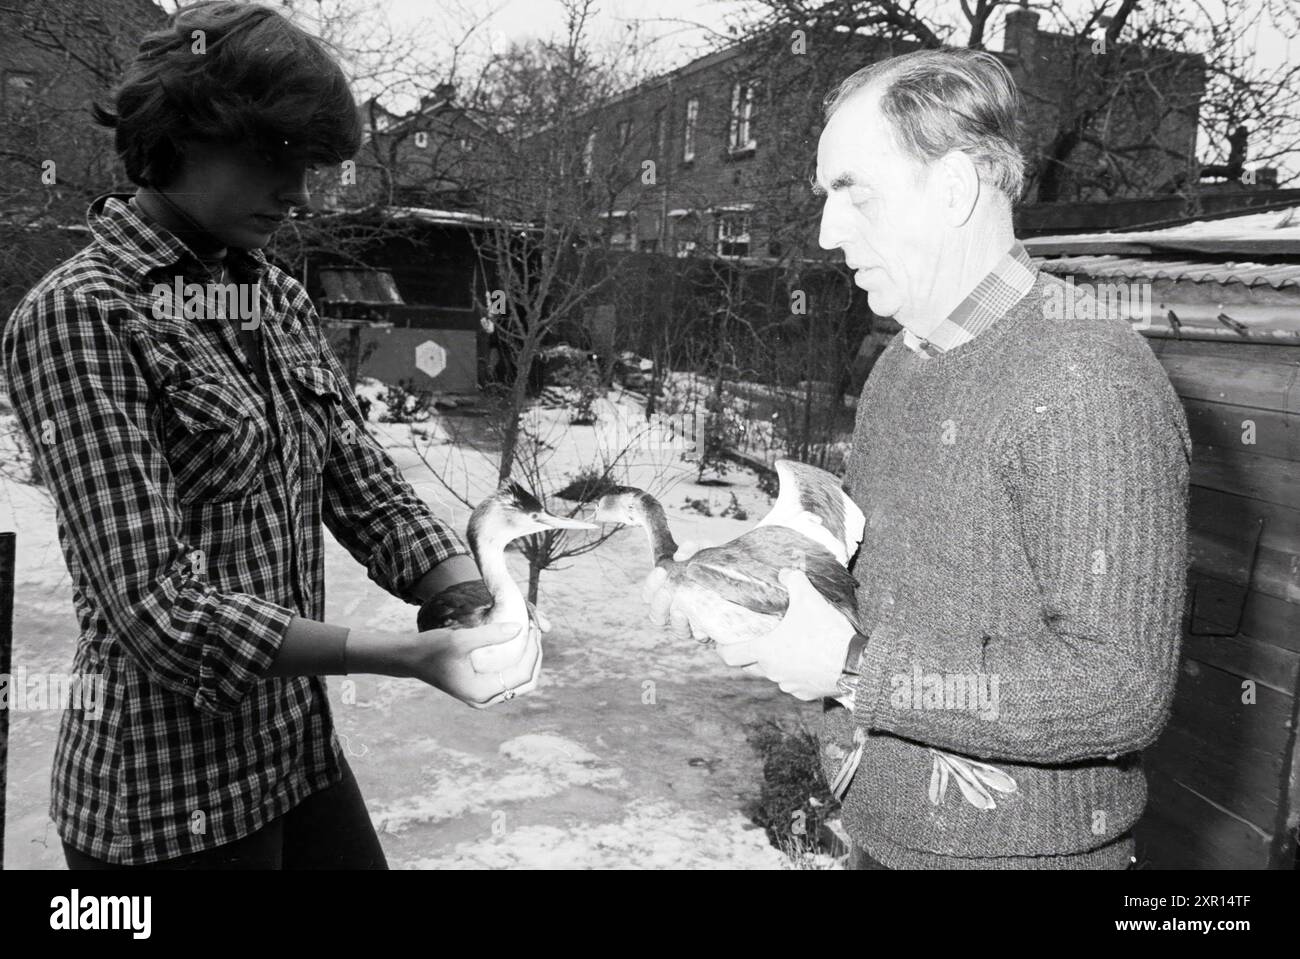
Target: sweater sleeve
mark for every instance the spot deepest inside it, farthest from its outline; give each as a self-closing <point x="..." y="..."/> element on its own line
<point x="1096" y="483"/>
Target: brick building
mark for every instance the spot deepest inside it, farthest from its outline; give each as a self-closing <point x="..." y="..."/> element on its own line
<point x="718" y="153"/>
<point x="55" y="59"/>
<point x="437" y="156"/>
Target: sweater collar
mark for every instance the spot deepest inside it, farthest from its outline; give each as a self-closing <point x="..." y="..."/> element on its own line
<point x="1011" y="278"/>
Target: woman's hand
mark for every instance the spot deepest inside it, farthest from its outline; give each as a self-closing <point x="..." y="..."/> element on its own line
<point x="481" y="665"/>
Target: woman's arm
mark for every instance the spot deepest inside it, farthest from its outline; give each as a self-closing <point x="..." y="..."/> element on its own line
<point x="474" y="665"/>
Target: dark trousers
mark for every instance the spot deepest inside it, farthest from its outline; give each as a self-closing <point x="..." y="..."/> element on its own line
<point x="329" y="829"/>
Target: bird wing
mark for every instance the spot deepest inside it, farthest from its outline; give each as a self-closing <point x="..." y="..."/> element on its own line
<point x="746" y="571"/>
<point x="741" y="583"/>
<point x="464" y="604"/>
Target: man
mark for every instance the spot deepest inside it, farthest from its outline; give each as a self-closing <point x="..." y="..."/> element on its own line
<point x="1021" y="576"/>
<point x="193" y="457"/>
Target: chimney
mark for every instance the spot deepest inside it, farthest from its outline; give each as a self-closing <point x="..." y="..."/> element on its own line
<point x="1020" y="33"/>
<point x="442" y="93"/>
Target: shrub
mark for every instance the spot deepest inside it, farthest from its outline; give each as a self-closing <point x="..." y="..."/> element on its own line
<point x="406" y="405"/>
<point x="794" y="801"/>
<point x="588" y="485"/>
<point x="735" y="510"/>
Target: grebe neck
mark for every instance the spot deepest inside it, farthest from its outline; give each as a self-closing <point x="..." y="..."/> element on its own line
<point x="508" y="604"/>
<point x="662" y="544"/>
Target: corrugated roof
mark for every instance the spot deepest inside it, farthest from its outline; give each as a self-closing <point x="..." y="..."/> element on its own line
<point x="1276" y="275"/>
<point x="359" y="285"/>
<point x="1275" y="232"/>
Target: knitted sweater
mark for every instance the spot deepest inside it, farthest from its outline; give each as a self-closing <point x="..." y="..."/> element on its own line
<point x="1022" y="581"/>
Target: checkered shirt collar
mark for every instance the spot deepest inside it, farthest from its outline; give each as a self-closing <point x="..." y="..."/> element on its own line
<point x="1011" y="278"/>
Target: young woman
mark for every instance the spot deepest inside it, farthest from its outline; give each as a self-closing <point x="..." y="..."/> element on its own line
<point x="193" y="457"/>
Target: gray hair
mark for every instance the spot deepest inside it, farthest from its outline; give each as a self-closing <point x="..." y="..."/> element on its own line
<point x="937" y="101"/>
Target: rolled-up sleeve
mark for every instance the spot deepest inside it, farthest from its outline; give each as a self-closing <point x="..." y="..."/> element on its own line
<point x="84" y="405"/>
<point x="368" y="505"/>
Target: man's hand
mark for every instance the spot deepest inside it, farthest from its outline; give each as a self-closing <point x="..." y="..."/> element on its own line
<point x="658" y="592"/>
<point x="804" y="655"/>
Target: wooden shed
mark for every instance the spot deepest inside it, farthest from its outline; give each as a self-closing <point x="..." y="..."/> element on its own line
<point x="1224" y="777"/>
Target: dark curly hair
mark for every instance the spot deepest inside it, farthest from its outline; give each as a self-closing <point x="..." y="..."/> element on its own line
<point x="254" y="78"/>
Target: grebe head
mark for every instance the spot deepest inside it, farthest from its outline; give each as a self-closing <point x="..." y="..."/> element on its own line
<point x="622" y="504"/>
<point x="512" y="512"/>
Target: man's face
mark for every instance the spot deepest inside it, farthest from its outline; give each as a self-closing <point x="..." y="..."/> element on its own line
<point x="237" y="193"/>
<point x="882" y="210"/>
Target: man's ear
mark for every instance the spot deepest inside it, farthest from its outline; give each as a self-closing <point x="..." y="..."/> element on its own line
<point x="959" y="180"/>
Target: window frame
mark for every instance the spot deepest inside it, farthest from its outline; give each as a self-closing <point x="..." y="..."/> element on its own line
<point x="690" y="129"/>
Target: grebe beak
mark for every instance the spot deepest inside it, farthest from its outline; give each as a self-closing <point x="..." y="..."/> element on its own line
<point x="561" y="522"/>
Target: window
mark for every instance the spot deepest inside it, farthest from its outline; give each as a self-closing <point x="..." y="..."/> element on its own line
<point x="589" y="153"/>
<point x="733" y="234"/>
<point x="19" y="90"/>
<point x="741" y="134"/>
<point x="688" y="136"/>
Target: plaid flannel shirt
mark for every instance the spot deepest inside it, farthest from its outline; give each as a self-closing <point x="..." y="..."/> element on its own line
<point x="1005" y="285"/>
<point x="189" y="500"/>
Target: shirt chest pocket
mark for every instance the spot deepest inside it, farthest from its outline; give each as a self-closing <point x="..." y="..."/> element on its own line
<point x="319" y="399"/>
<point x="216" y="441"/>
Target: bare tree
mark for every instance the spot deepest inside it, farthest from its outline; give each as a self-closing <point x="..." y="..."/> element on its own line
<point x="543" y="260"/>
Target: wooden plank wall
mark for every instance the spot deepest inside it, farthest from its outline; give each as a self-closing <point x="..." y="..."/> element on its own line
<point x="1223" y="776"/>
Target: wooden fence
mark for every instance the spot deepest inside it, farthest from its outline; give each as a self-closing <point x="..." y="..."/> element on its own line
<point x="1223" y="778"/>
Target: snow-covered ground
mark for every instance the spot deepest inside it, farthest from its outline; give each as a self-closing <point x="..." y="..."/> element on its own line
<point x="632" y="753"/>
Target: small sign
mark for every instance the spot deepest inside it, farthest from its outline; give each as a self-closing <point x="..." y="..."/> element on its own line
<point x="430" y="358"/>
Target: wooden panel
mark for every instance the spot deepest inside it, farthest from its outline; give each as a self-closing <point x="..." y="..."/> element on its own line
<point x="1222" y="533"/>
<point x="1242" y="382"/>
<point x="1258" y="477"/>
<point x="1221" y="775"/>
<point x="1221" y="425"/>
<point x="1182" y="830"/>
<point x="1250" y="790"/>
<point x="1218" y="511"/>
<point x="1254" y="353"/>
<point x="1228" y="560"/>
<point x="1209" y="707"/>
<point x="1263" y="618"/>
<point x="1273" y="666"/>
<point x="1218" y="772"/>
